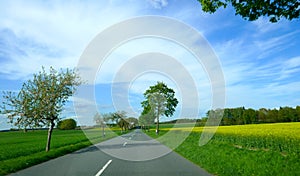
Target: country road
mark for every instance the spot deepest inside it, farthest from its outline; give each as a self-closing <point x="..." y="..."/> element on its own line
<point x="132" y="154"/>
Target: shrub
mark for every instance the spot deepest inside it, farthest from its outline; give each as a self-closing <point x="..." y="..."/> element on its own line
<point x="67" y="124"/>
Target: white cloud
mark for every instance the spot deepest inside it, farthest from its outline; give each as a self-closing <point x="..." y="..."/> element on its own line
<point x="158" y="4"/>
<point x="276" y="44"/>
<point x="55" y="33"/>
<point x="264" y="26"/>
<point x="289" y="68"/>
<point x="260" y="60"/>
<point x="260" y="70"/>
<point x="165" y="71"/>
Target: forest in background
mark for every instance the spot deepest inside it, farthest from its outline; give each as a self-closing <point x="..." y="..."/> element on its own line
<point x="242" y="115"/>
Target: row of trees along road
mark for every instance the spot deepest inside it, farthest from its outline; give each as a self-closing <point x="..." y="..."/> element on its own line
<point x="241" y="115"/>
<point x="116" y="118"/>
<point x="159" y="100"/>
<point x="40" y="100"/>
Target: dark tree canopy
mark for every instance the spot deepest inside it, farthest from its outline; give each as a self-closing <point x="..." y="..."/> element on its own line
<point x="242" y="115"/>
<point x="167" y="93"/>
<point x="160" y="100"/>
<point x="253" y="9"/>
<point x="67" y="124"/>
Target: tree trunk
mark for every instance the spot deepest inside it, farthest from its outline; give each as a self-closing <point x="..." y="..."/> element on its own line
<point x="49" y="135"/>
<point x="157" y="121"/>
<point x="157" y="125"/>
<point x="103" y="132"/>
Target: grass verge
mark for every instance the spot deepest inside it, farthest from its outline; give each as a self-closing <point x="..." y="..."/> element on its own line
<point x="20" y="150"/>
<point x="247" y="151"/>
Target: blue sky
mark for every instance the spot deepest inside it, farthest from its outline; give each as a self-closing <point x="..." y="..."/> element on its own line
<point x="260" y="61"/>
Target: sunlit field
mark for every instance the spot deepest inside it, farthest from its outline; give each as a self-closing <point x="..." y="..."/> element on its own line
<point x="258" y="149"/>
<point x="19" y="150"/>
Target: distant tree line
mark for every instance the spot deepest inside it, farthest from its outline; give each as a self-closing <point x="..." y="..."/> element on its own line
<point x="242" y="115"/>
<point x="116" y="118"/>
<point x="184" y="120"/>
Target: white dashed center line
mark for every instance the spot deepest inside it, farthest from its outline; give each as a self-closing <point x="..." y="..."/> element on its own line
<point x="103" y="168"/>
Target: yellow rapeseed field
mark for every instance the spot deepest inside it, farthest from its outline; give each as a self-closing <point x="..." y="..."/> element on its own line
<point x="283" y="137"/>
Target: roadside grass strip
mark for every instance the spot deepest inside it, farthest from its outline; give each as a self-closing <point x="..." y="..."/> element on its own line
<point x="258" y="149"/>
<point x="19" y="150"/>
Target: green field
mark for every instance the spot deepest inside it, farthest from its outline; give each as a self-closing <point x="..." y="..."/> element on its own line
<point x="19" y="150"/>
<point x="263" y="149"/>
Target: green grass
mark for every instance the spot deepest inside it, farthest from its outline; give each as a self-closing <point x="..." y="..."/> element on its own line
<point x="222" y="158"/>
<point x="265" y="149"/>
<point x="19" y="150"/>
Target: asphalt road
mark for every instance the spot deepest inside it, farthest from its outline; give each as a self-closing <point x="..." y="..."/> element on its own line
<point x="131" y="154"/>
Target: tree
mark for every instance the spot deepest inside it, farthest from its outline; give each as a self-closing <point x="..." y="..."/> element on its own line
<point x="298" y="113"/>
<point x="132" y="122"/>
<point x="101" y="122"/>
<point x="250" y="116"/>
<point x="118" y="118"/>
<point x="160" y="100"/>
<point x="262" y="115"/>
<point x="123" y="124"/>
<point x="145" y="120"/>
<point x="227" y="117"/>
<point x="253" y="9"/>
<point x="67" y="124"/>
<point x="287" y="114"/>
<point x="41" y="100"/>
<point x="16" y="107"/>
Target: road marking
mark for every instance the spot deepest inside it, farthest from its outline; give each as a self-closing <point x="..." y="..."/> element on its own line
<point x="124" y="144"/>
<point x="103" y="168"/>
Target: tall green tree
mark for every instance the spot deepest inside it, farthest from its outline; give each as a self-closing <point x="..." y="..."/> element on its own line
<point x="160" y="100"/>
<point x="253" y="9"/>
<point x="298" y="113"/>
<point x="287" y="114"/>
<point x="262" y="115"/>
<point x="41" y="99"/>
<point x="250" y="116"/>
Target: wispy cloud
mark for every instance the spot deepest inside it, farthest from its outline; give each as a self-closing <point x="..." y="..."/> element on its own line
<point x="158" y="4"/>
<point x="33" y="36"/>
<point x="261" y="65"/>
<point x="260" y="60"/>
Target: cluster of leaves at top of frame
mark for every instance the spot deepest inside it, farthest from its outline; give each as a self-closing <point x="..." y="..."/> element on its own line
<point x="253" y="9"/>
